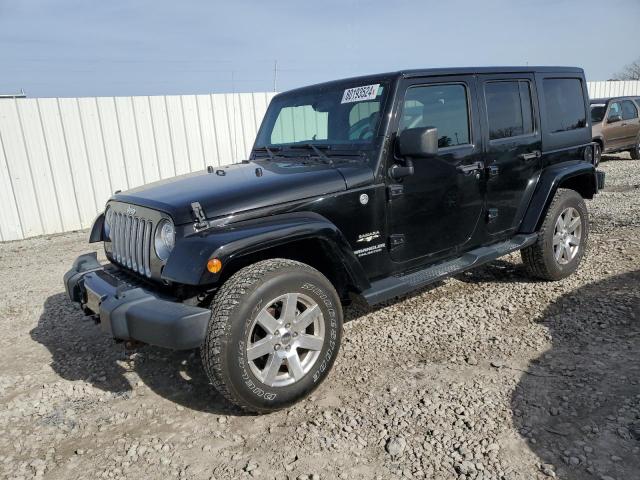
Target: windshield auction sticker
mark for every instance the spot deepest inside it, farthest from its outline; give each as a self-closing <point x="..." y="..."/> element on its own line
<point x="357" y="94"/>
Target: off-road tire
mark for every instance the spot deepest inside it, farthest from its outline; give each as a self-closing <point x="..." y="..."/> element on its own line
<point x="539" y="258"/>
<point x="635" y="152"/>
<point x="233" y="309"/>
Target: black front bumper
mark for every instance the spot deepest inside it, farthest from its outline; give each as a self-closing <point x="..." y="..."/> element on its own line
<point x="131" y="312"/>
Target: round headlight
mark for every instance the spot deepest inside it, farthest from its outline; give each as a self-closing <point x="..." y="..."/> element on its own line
<point x="107" y="223"/>
<point x="165" y="239"/>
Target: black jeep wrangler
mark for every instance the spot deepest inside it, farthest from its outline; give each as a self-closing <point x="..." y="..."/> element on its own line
<point x="372" y="186"/>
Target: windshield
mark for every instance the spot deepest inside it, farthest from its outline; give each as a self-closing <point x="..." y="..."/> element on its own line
<point x="597" y="113"/>
<point x="346" y="116"/>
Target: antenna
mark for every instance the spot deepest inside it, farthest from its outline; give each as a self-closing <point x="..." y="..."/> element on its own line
<point x="275" y="75"/>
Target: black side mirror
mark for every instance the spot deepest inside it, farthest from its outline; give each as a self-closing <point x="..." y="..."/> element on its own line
<point x="418" y="142"/>
<point x="614" y="119"/>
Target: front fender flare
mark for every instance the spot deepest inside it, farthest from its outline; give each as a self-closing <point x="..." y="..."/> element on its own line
<point x="550" y="179"/>
<point x="97" y="229"/>
<point x="187" y="263"/>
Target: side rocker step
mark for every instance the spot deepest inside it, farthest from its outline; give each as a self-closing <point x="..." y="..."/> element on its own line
<point x="391" y="287"/>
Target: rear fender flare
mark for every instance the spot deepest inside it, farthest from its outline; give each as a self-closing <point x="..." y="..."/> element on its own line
<point x="577" y="174"/>
<point x="187" y="263"/>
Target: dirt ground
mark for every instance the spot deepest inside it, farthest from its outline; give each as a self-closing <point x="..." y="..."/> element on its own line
<point x="488" y="375"/>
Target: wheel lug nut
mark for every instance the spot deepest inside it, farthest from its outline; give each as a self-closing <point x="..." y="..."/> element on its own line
<point x="287" y="348"/>
<point x="277" y="346"/>
<point x="288" y="325"/>
<point x="295" y="334"/>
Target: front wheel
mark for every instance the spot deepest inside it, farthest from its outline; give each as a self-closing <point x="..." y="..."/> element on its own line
<point x="562" y="239"/>
<point x="597" y="154"/>
<point x="274" y="334"/>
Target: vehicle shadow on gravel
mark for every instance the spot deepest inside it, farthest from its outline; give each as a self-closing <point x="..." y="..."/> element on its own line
<point x="578" y="405"/>
<point x="608" y="157"/>
<point x="80" y="350"/>
<point x="497" y="271"/>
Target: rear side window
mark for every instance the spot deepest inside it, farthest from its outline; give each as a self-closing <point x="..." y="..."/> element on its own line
<point x="441" y="106"/>
<point x="509" y="109"/>
<point x="564" y="101"/>
<point x="629" y="110"/>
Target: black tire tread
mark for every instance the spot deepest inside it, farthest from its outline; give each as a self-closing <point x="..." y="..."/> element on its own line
<point x="533" y="255"/>
<point x="224" y="302"/>
<point x="635" y="151"/>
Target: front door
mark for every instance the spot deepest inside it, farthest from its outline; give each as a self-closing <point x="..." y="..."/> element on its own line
<point x="513" y="154"/>
<point x="435" y="210"/>
<point x="614" y="130"/>
<point x="630" y="123"/>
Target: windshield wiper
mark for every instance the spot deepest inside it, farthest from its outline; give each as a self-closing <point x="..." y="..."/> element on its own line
<point x="317" y="149"/>
<point x="268" y="150"/>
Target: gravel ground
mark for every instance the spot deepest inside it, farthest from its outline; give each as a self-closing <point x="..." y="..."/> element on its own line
<point x="484" y="376"/>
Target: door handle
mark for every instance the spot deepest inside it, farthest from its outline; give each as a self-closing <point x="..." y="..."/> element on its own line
<point x="472" y="167"/>
<point x="530" y="156"/>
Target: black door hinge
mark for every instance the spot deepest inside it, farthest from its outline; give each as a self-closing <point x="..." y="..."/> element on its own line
<point x="492" y="214"/>
<point x="492" y="171"/>
<point x="396" y="240"/>
<point x="394" y="191"/>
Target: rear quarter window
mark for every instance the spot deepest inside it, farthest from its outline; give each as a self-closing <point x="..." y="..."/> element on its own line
<point x="565" y="106"/>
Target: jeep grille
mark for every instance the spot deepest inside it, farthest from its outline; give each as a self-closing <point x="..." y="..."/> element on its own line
<point x="131" y="242"/>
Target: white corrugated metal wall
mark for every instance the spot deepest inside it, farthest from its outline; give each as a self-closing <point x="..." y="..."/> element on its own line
<point x="61" y="158"/>
<point x="613" y="89"/>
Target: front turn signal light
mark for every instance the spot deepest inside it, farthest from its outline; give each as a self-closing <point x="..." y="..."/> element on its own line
<point x="214" y="265"/>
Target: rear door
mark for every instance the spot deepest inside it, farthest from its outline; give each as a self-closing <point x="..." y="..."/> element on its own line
<point x="513" y="148"/>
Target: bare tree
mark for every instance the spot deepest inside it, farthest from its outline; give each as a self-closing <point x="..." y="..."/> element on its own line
<point x="629" y="72"/>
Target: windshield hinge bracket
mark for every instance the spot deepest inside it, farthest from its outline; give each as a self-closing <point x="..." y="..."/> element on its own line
<point x="395" y="190"/>
<point x="200" y="217"/>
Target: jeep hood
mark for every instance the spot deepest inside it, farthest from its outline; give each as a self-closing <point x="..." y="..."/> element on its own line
<point x="239" y="187"/>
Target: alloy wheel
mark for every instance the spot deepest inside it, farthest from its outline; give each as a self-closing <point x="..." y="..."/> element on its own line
<point x="566" y="235"/>
<point x="597" y="154"/>
<point x="285" y="339"/>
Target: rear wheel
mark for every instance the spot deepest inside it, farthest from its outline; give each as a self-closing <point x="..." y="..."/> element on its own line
<point x="562" y="239"/>
<point x="635" y="151"/>
<point x="273" y="336"/>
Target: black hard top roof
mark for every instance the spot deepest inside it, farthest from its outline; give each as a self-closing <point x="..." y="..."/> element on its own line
<point x="486" y="70"/>
<point x="425" y="72"/>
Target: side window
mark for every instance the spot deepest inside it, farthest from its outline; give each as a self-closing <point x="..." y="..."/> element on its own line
<point x="615" y="110"/>
<point x="564" y="102"/>
<point x="629" y="110"/>
<point x="363" y="120"/>
<point x="444" y="107"/>
<point x="509" y="109"/>
<point x="296" y="124"/>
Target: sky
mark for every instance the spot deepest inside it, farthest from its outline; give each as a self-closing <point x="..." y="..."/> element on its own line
<point x="69" y="48"/>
